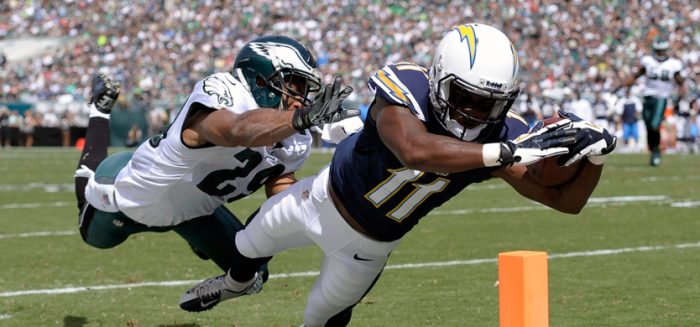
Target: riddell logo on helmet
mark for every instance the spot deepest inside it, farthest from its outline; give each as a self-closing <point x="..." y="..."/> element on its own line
<point x="493" y="85"/>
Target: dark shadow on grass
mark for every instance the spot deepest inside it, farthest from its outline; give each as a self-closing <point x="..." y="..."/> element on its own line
<point x="73" y="321"/>
<point x="180" y="325"/>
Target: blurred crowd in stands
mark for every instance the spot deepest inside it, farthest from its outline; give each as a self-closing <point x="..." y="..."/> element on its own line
<point x="572" y="54"/>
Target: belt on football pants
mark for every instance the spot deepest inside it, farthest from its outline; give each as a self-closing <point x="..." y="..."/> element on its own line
<point x="346" y="215"/>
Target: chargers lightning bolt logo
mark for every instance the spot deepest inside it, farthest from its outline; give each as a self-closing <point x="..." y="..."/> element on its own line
<point x="467" y="33"/>
<point x="515" y="60"/>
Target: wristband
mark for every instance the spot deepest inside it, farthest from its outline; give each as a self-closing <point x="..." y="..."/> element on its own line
<point x="491" y="154"/>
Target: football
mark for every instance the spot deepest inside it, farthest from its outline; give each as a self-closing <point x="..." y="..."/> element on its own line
<point x="547" y="171"/>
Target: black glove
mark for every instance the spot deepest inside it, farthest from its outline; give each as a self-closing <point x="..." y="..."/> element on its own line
<point x="541" y="142"/>
<point x="104" y="93"/>
<point x="592" y="141"/>
<point x="325" y="108"/>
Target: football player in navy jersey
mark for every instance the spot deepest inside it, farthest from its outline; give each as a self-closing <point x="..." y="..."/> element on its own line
<point x="427" y="136"/>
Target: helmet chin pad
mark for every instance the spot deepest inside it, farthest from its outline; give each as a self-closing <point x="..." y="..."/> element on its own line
<point x="463" y="133"/>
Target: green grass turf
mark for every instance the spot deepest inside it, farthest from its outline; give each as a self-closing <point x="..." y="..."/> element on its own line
<point x="658" y="287"/>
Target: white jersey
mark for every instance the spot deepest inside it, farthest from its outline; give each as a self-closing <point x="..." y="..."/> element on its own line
<point x="659" y="76"/>
<point x="166" y="182"/>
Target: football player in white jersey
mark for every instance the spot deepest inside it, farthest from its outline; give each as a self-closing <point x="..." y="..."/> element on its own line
<point x="237" y="131"/>
<point x="661" y="72"/>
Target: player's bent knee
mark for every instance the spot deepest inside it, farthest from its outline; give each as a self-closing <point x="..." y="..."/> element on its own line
<point x="97" y="231"/>
<point x="260" y="248"/>
<point x="100" y="240"/>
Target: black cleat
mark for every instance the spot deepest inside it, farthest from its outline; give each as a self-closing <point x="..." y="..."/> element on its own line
<point x="209" y="292"/>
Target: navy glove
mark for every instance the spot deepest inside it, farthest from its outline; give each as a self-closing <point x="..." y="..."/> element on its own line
<point x="592" y="142"/>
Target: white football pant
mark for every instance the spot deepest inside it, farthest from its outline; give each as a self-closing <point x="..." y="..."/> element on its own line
<point x="304" y="214"/>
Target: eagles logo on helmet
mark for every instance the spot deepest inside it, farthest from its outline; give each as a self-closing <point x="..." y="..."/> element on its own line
<point x="269" y="65"/>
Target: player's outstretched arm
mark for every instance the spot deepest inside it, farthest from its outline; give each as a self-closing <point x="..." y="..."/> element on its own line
<point x="592" y="144"/>
<point x="569" y="197"/>
<point x="406" y="136"/>
<point x="267" y="126"/>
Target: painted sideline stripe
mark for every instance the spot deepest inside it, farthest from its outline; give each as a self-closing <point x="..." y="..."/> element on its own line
<point x="258" y="197"/>
<point x="686" y="204"/>
<point x="37" y="234"/>
<point x="316" y="273"/>
<point x="592" y="202"/>
<point x="48" y="188"/>
<point x="37" y="205"/>
<point x="33" y="205"/>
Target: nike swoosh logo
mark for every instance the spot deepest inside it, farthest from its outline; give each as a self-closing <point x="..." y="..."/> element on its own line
<point x="356" y="257"/>
<point x="206" y="304"/>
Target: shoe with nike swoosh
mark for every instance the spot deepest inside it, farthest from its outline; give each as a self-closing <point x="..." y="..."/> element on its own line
<point x="209" y="292"/>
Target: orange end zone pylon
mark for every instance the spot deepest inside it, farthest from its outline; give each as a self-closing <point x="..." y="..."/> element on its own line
<point x="522" y="289"/>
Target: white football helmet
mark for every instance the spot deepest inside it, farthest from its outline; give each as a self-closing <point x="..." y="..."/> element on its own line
<point x="660" y="47"/>
<point x="473" y="80"/>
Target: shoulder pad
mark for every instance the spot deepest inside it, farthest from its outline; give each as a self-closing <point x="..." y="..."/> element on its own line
<point x="403" y="84"/>
<point x="217" y="91"/>
<point x="515" y="125"/>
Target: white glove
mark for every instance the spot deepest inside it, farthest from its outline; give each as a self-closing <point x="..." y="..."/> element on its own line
<point x="338" y="131"/>
<point x="100" y="196"/>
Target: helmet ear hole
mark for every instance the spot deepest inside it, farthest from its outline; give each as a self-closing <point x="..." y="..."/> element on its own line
<point x="260" y="81"/>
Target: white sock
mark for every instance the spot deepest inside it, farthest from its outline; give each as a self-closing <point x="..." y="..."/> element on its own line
<point x="233" y="285"/>
<point x="96" y="113"/>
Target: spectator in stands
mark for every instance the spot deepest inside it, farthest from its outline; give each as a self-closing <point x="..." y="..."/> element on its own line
<point x="581" y="107"/>
<point x="133" y="137"/>
<point x="153" y="46"/>
<point x="603" y="114"/>
<point x="628" y="110"/>
<point x="28" y="124"/>
<point x="157" y="118"/>
<point x="66" y="122"/>
<point x="4" y="126"/>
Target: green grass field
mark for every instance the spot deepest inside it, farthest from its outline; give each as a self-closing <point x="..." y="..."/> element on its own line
<point x="631" y="258"/>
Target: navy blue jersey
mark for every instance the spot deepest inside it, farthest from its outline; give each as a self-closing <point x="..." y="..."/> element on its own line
<point x="380" y="193"/>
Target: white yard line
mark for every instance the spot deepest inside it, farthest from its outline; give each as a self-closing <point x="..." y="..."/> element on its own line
<point x="592" y="202"/>
<point x="39" y="234"/>
<point x="686" y="204"/>
<point x="33" y="205"/>
<point x="46" y="187"/>
<point x="591" y="253"/>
